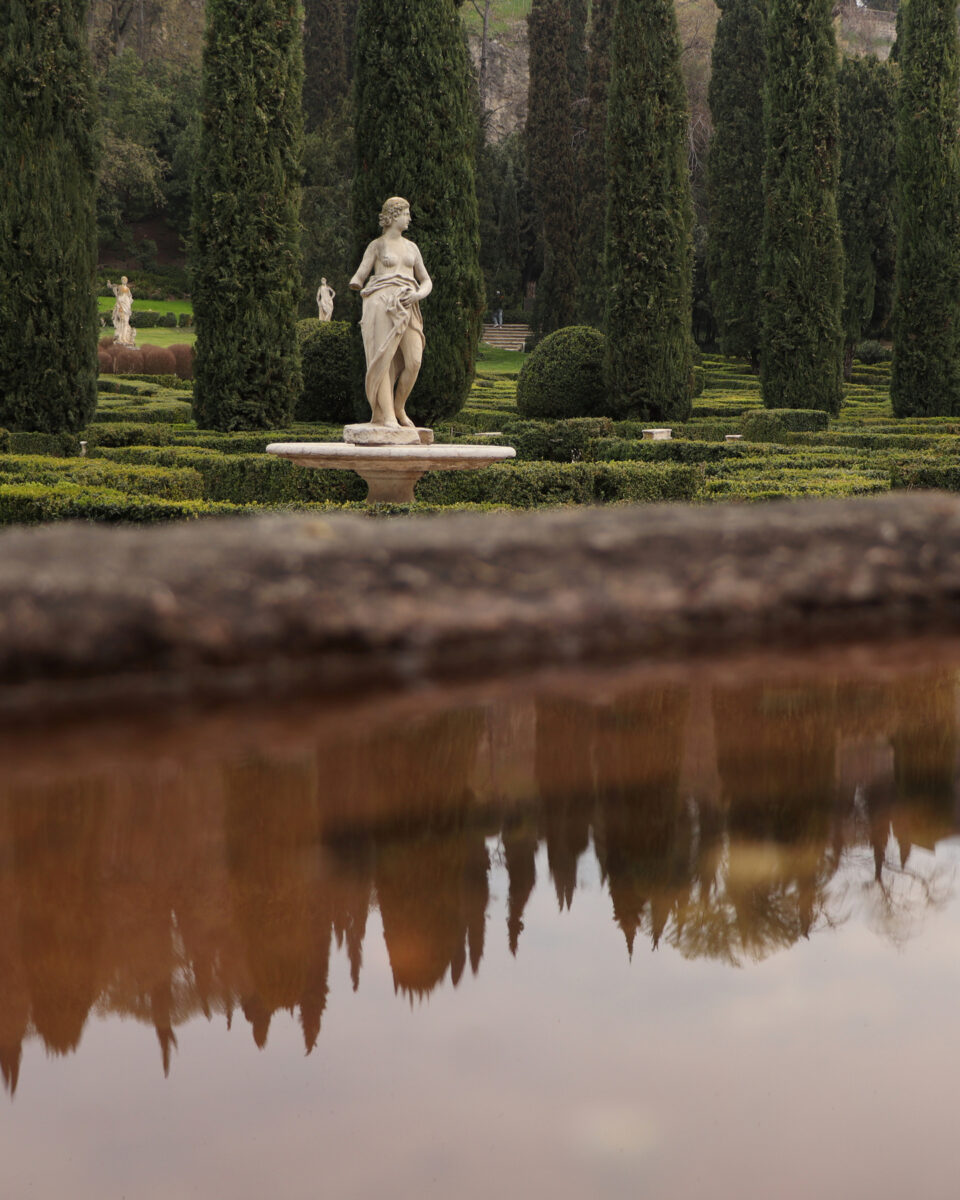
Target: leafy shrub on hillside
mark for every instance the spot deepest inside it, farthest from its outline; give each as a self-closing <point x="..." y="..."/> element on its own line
<point x="873" y="352"/>
<point x="332" y="358"/>
<point x="563" y="377"/>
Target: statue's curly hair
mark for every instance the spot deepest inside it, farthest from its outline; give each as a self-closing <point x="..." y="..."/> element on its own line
<point x="392" y="208"/>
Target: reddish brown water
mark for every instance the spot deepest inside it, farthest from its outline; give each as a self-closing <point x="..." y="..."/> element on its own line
<point x="661" y="933"/>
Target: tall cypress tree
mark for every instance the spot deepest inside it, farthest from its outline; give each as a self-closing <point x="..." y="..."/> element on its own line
<point x="415" y="136"/>
<point x="735" y="175"/>
<point x="48" y="244"/>
<point x="925" y="377"/>
<point x="867" y="103"/>
<point x="246" y="268"/>
<point x="324" y="59"/>
<point x="550" y="161"/>
<point x="592" y="172"/>
<point x="802" y="273"/>
<point x="577" y="49"/>
<point x="649" y="253"/>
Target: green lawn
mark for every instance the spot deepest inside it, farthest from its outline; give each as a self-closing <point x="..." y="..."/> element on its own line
<point x="106" y="303"/>
<point x="156" y="336"/>
<point x="162" y="337"/>
<point x="499" y="362"/>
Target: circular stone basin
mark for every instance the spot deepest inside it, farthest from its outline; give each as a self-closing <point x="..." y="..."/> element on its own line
<point x="390" y="471"/>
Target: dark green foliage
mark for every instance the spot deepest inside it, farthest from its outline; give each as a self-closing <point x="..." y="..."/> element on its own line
<point x="563" y="377"/>
<point x="925" y="377"/>
<point x="324" y="59"/>
<point x="649" y="255"/>
<point x="48" y="163"/>
<point x="865" y="196"/>
<point x="872" y="352"/>
<point x="550" y="161"/>
<point x="802" y="272"/>
<point x="771" y="423"/>
<point x="326" y="242"/>
<point x="592" y="172"/>
<point x="150" y="128"/>
<point x="501" y="254"/>
<point x="333" y="367"/>
<point x="415" y="137"/>
<point x="577" y="49"/>
<point x="735" y="176"/>
<point x="246" y="278"/>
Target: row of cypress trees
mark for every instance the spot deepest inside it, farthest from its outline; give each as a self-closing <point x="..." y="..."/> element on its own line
<point x="416" y="136"/>
<point x="795" y="299"/>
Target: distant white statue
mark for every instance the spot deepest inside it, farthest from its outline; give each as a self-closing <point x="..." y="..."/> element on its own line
<point x="123" y="332"/>
<point x="325" y="295"/>
<point x="392" y="325"/>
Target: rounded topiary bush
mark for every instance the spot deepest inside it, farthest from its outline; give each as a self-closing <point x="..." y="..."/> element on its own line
<point x="333" y="368"/>
<point x="563" y="377"/>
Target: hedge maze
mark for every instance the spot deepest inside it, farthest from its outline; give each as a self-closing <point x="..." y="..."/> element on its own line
<point x="145" y="460"/>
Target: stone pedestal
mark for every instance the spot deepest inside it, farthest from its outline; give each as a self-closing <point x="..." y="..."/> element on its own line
<point x="390" y="472"/>
<point x="368" y="434"/>
<point x="657" y="435"/>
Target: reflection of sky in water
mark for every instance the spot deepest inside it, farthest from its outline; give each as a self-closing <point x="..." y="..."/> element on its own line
<point x="569" y="1070"/>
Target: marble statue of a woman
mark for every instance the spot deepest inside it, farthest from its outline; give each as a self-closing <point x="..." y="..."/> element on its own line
<point x="392" y="281"/>
<point x="123" y="333"/>
<point x="325" y="295"/>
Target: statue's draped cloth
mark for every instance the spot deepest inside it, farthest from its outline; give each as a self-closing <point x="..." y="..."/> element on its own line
<point x="383" y="325"/>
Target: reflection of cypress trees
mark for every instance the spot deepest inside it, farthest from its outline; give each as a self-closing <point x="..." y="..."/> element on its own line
<point x="433" y="894"/>
<point x="644" y="849"/>
<point x="351" y="889"/>
<point x="776" y="753"/>
<point x="14" y="996"/>
<point x="272" y="830"/>
<point x="161" y="891"/>
<point x="400" y="772"/>
<point x="925" y="755"/>
<point x="520" y="840"/>
<point x="565" y="781"/>
<point x="56" y="833"/>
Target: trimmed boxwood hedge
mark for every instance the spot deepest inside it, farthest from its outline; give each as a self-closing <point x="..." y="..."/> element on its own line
<point x="563" y="377"/>
<point x="767" y="424"/>
<point x="529" y="485"/>
<point x="35" y="503"/>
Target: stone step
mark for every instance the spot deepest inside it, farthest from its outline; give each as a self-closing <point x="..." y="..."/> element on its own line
<point x="506" y="337"/>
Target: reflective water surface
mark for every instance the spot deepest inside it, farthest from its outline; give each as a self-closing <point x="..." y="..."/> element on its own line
<point x="656" y="933"/>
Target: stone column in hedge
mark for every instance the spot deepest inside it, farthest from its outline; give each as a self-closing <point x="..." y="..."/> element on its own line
<point x="649" y="252"/>
<point x="48" y="242"/>
<point x="925" y="377"/>
<point x="246" y="268"/>
<point x="802" y="273"/>
<point x="736" y="175"/>
<point x="416" y="134"/>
